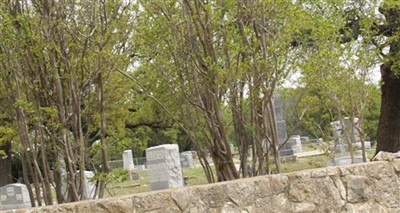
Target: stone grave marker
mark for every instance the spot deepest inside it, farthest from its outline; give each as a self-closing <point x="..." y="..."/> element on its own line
<point x="296" y="143"/>
<point x="346" y="160"/>
<point x="186" y="159"/>
<point x="282" y="131"/>
<point x="14" y="196"/>
<point x="345" y="129"/>
<point x="304" y="139"/>
<point x="129" y="165"/>
<point x="286" y="149"/>
<point x="90" y="188"/>
<point x="163" y="166"/>
<point x="128" y="160"/>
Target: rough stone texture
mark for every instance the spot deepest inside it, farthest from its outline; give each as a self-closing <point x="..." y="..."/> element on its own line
<point x="127" y="160"/>
<point x="369" y="187"/>
<point x="14" y="196"/>
<point x="164" y="167"/>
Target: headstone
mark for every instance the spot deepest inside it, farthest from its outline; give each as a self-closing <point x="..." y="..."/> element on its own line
<point x="278" y="107"/>
<point x="186" y="159"/>
<point x="346" y="160"/>
<point x="194" y="154"/>
<point x="14" y="196"/>
<point x="283" y="142"/>
<point x="133" y="175"/>
<point x="90" y="188"/>
<point x="296" y="143"/>
<point x="345" y="129"/>
<point x="128" y="160"/>
<point x="163" y="166"/>
<point x="281" y="131"/>
<point x="140" y="167"/>
<point x="304" y="139"/>
<point x="286" y="152"/>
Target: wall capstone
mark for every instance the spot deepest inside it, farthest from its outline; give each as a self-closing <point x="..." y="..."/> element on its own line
<point x="367" y="187"/>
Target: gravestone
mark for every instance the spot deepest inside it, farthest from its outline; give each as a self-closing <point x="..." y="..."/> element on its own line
<point x="346" y="160"/>
<point x="344" y="130"/>
<point x="281" y="131"/>
<point x="163" y="166"/>
<point x="128" y="160"/>
<point x="14" y="196"/>
<point x="304" y="139"/>
<point x="295" y="142"/>
<point x="140" y="167"/>
<point x="286" y="148"/>
<point x="133" y="175"/>
<point x="186" y="159"/>
<point x="90" y="188"/>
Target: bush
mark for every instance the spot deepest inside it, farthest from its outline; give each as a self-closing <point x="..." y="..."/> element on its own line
<point x="119" y="175"/>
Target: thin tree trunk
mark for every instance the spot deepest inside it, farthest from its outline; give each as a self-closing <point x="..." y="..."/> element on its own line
<point x="104" y="149"/>
<point x="274" y="136"/>
<point x="25" y="168"/>
<point x="45" y="167"/>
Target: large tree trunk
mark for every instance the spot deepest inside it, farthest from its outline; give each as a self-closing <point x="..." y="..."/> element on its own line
<point x="389" y="125"/>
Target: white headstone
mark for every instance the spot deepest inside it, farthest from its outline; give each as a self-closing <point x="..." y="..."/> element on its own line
<point x="186" y="159"/>
<point x="296" y="143"/>
<point x="89" y="190"/>
<point x="128" y="160"/>
<point x="163" y="166"/>
<point x="14" y="196"/>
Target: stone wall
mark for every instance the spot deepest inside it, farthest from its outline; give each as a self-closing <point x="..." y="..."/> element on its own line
<point x="369" y="187"/>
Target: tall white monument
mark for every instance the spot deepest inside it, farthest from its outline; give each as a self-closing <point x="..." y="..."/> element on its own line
<point x="128" y="160"/>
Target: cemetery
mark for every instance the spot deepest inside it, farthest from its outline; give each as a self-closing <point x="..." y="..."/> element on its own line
<point x="165" y="168"/>
<point x="199" y="106"/>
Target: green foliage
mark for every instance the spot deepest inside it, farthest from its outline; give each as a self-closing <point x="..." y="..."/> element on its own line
<point x="119" y="175"/>
<point x="6" y="134"/>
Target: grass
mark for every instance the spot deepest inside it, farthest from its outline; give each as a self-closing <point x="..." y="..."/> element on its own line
<point x="129" y="186"/>
<point x="195" y="176"/>
<point x="311" y="162"/>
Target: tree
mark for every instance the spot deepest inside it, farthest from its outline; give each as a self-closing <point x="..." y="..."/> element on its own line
<point x="389" y="127"/>
<point x="223" y="55"/>
<point x="55" y="56"/>
<point x="6" y="135"/>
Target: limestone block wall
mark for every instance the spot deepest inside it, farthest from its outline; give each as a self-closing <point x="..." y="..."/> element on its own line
<point x="368" y="187"/>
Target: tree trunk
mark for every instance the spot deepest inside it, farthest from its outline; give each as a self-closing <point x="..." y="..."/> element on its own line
<point x="25" y="168"/>
<point x="274" y="136"/>
<point x="389" y="125"/>
<point x="104" y="149"/>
